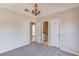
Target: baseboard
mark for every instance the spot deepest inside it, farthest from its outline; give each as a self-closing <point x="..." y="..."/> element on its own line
<point x="50" y="44"/>
<point x="53" y="45"/>
<point x="12" y="48"/>
<point x="66" y="50"/>
<point x="70" y="52"/>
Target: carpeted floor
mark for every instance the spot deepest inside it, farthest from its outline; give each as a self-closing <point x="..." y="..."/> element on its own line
<point x="36" y="49"/>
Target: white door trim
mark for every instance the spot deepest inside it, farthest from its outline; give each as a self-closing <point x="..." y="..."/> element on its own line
<point x="42" y="30"/>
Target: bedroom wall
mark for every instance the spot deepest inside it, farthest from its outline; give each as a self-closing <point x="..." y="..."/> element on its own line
<point x="14" y="30"/>
<point x="69" y="29"/>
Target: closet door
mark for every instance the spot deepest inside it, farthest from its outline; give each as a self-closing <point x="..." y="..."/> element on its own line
<point x="55" y="32"/>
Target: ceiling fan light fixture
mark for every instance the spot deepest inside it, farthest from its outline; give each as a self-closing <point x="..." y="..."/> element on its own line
<point x="36" y="10"/>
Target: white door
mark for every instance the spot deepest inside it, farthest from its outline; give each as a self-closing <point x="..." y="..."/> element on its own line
<point x="38" y="32"/>
<point x="55" y="31"/>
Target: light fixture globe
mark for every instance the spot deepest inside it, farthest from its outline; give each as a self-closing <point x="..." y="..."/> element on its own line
<point x="36" y="10"/>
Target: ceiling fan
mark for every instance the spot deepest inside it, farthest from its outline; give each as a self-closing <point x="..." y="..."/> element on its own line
<point x="35" y="10"/>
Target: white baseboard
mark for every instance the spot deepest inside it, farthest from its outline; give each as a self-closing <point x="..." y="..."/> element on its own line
<point x="50" y="44"/>
<point x="66" y="50"/>
<point x="3" y="51"/>
<point x="53" y="45"/>
<point x="71" y="52"/>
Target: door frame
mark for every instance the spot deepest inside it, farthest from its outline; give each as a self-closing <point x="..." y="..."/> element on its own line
<point x="42" y="31"/>
<point x="49" y="31"/>
<point x="31" y="23"/>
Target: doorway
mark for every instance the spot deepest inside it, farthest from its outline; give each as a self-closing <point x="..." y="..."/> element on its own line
<point x="45" y="32"/>
<point x="32" y="30"/>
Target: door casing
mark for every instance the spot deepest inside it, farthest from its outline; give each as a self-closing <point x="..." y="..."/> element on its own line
<point x="31" y="23"/>
<point x="43" y="33"/>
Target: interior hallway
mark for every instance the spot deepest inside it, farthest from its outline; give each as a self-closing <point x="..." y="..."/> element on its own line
<point x="36" y="49"/>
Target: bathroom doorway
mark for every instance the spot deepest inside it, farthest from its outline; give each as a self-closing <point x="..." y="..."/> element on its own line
<point x="45" y="32"/>
<point x="32" y="32"/>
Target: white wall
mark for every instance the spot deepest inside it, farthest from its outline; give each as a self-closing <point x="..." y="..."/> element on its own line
<point x="14" y="30"/>
<point x="69" y="29"/>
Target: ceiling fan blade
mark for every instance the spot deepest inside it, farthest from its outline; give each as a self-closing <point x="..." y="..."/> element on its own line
<point x="26" y="10"/>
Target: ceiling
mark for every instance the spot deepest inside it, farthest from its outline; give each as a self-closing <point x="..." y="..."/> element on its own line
<point x="46" y="8"/>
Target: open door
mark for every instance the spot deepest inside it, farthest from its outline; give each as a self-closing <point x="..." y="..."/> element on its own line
<point x="45" y="32"/>
<point x="38" y="32"/>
